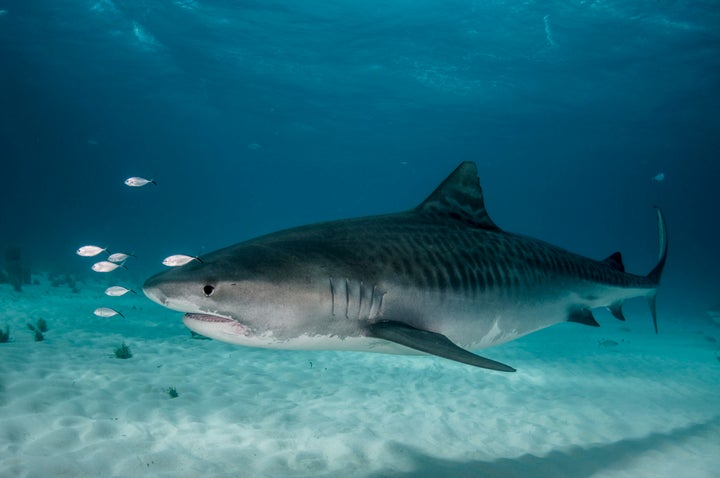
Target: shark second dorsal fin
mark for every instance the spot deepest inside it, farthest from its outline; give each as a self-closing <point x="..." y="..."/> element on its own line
<point x="615" y="261"/>
<point x="460" y="197"/>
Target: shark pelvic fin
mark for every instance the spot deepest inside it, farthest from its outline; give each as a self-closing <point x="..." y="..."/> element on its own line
<point x="615" y="261"/>
<point x="460" y="197"/>
<point x="583" y="316"/>
<point x="616" y="310"/>
<point x="432" y="343"/>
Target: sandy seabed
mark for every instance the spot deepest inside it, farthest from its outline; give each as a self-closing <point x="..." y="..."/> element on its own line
<point x="616" y="401"/>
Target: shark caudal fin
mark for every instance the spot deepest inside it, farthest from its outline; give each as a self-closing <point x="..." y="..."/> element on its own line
<point x="655" y="274"/>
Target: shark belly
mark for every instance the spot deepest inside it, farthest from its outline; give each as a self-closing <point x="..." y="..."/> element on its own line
<point x="337" y="312"/>
<point x="500" y="315"/>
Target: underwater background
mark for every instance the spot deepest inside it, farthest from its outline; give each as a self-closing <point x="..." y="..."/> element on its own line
<point x="254" y="116"/>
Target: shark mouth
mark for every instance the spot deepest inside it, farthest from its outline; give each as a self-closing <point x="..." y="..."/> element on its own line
<point x="217" y="327"/>
<point x="208" y="318"/>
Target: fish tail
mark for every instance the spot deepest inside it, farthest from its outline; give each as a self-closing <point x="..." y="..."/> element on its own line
<point x="656" y="273"/>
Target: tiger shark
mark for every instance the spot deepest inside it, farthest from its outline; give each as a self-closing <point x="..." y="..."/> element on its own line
<point x="439" y="279"/>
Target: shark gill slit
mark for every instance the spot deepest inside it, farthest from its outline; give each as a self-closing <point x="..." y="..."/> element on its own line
<point x="379" y="307"/>
<point x="368" y="308"/>
<point x="347" y="297"/>
<point x="372" y="303"/>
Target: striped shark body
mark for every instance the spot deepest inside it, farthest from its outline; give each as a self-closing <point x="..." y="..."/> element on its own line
<point x="440" y="279"/>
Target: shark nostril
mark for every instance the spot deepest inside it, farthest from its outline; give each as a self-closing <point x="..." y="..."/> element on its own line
<point x="208" y="290"/>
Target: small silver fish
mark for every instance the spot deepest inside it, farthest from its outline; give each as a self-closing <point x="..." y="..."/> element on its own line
<point x="118" y="257"/>
<point x="137" y="182"/>
<point x="117" y="291"/>
<point x="179" y="260"/>
<point x="106" y="266"/>
<point x="107" y="312"/>
<point x="89" y="251"/>
<point x="658" y="177"/>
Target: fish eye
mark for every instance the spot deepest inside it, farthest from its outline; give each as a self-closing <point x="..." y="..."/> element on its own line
<point x="208" y="290"/>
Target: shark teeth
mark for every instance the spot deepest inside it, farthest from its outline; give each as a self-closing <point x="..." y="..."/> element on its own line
<point x="208" y="318"/>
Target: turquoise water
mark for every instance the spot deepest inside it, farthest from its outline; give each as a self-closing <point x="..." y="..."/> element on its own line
<point x="257" y="116"/>
<point x="614" y="401"/>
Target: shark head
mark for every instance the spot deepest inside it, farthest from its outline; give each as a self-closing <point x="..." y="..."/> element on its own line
<point x="247" y="294"/>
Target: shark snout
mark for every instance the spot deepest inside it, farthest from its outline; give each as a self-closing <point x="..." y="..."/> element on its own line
<point x="171" y="294"/>
<point x="153" y="291"/>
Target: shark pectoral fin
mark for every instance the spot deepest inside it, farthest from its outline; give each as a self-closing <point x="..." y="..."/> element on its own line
<point x="583" y="316"/>
<point x="432" y="343"/>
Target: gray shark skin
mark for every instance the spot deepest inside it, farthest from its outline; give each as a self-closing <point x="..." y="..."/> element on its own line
<point x="440" y="279"/>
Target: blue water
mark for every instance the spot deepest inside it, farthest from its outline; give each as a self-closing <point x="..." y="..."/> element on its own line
<point x="254" y="116"/>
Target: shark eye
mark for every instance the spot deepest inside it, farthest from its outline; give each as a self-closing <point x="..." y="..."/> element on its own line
<point x="208" y="290"/>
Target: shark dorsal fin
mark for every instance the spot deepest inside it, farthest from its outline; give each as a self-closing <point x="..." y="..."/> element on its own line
<point x="460" y="197"/>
